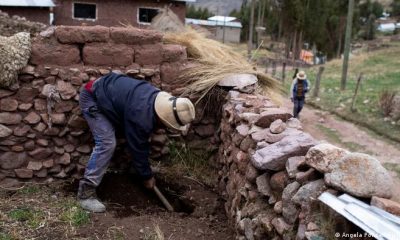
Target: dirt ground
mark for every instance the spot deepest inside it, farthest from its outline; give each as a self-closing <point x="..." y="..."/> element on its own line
<point x="49" y="211"/>
<point x="324" y="126"/>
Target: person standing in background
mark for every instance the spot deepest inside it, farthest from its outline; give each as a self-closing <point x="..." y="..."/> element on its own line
<point x="298" y="90"/>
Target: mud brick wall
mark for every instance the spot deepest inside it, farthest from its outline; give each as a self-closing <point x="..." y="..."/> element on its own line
<point x="42" y="138"/>
<point x="272" y="173"/>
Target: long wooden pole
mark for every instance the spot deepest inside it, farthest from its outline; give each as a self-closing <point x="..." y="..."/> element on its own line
<point x="251" y="29"/>
<point x="347" y="43"/>
<point x="163" y="199"/>
<point x="318" y="81"/>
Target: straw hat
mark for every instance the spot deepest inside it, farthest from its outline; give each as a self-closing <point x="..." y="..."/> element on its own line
<point x="174" y="112"/>
<point x="301" y="75"/>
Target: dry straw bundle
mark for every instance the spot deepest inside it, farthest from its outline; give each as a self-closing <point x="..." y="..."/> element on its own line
<point x="215" y="62"/>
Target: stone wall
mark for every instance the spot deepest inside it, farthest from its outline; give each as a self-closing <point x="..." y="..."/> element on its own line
<point x="272" y="173"/>
<point x="43" y="135"/>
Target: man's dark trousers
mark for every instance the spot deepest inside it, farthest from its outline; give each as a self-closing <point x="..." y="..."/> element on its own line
<point x="298" y="105"/>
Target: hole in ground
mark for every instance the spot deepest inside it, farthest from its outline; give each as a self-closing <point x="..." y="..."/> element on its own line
<point x="125" y="195"/>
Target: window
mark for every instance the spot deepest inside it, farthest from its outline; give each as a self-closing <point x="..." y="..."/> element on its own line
<point x="84" y="11"/>
<point x="147" y="14"/>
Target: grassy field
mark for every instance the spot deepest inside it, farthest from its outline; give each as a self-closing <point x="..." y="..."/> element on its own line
<point x="381" y="71"/>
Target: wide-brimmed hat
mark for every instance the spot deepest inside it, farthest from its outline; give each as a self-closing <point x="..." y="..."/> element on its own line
<point x="301" y="75"/>
<point x="174" y="112"/>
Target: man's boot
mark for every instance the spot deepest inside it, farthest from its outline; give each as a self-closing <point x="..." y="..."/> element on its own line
<point x="88" y="200"/>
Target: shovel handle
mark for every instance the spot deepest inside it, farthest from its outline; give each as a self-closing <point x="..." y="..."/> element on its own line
<point x="163" y="199"/>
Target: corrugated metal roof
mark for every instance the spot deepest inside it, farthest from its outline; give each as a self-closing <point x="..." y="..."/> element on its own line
<point x="213" y="23"/>
<point x="27" y="3"/>
<point x="222" y="18"/>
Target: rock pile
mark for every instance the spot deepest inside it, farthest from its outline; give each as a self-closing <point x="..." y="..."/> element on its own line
<point x="272" y="173"/>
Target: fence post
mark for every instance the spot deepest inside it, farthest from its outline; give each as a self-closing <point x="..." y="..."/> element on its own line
<point x="355" y="92"/>
<point x="283" y="72"/>
<point x="318" y="81"/>
<point x="267" y="65"/>
<point x="273" y="68"/>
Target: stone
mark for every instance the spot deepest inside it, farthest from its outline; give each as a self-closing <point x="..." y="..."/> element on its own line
<point x="40" y="153"/>
<point x="289" y="209"/>
<point x="77" y="122"/>
<point x="159" y="139"/>
<point x="173" y="53"/>
<point x="21" y="130"/>
<point x="17" y="148"/>
<point x="293" y="164"/>
<point x="311" y="226"/>
<point x="10" y="183"/>
<point x="40" y="127"/>
<point x="58" y="118"/>
<point x="306" y="176"/>
<point x="135" y="36"/>
<point x="309" y="192"/>
<point x="35" y="165"/>
<point x="59" y="150"/>
<point x="5" y="93"/>
<point x="322" y="155"/>
<point x="84" y="149"/>
<point x="32" y="118"/>
<point x="55" y="169"/>
<point x="41" y="173"/>
<point x="61" y="174"/>
<point x="247" y="144"/>
<point x="10" y="118"/>
<point x="108" y="54"/>
<point x="69" y="148"/>
<point x="294" y="123"/>
<point x="23" y="173"/>
<point x="48" y="163"/>
<point x="205" y="130"/>
<point x="82" y="34"/>
<point x="12" y="160"/>
<point x="5" y="131"/>
<point x="56" y="54"/>
<point x="29" y="145"/>
<point x="26" y="94"/>
<point x="281" y="226"/>
<point x="243" y="129"/>
<point x="272" y="114"/>
<point x="249" y="117"/>
<point x="66" y="90"/>
<point x="251" y="173"/>
<point x="263" y="186"/>
<point x="277" y="126"/>
<point x="25" y="107"/>
<point x="360" y="175"/>
<point x="261" y="145"/>
<point x="42" y="142"/>
<point x="8" y="105"/>
<point x="64" y="106"/>
<point x="65" y="159"/>
<point x="386" y="204"/>
<point x="40" y="104"/>
<point x="274" y="156"/>
<point x="279" y="181"/>
<point x="278" y="207"/>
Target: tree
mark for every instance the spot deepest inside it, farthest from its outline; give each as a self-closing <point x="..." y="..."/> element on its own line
<point x="198" y="13"/>
<point x="395" y="8"/>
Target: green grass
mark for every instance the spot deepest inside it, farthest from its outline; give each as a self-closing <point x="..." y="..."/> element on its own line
<point x="381" y="71"/>
<point x="5" y="236"/>
<point x="395" y="167"/>
<point x="29" y="190"/>
<point x="191" y="162"/>
<point x="74" y="215"/>
<point x="32" y="217"/>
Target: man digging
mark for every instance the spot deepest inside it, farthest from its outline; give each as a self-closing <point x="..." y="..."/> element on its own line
<point x="115" y="102"/>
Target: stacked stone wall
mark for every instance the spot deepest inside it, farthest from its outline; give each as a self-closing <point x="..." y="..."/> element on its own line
<point x="272" y="173"/>
<point x="44" y="135"/>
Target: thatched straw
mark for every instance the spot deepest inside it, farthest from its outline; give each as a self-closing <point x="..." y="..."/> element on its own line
<point x="215" y="62"/>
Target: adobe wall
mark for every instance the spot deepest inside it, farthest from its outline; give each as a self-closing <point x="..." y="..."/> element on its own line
<point x="41" y="137"/>
<point x="34" y="14"/>
<point x="113" y="13"/>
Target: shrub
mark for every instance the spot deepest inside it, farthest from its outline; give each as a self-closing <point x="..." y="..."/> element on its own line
<point x="386" y="101"/>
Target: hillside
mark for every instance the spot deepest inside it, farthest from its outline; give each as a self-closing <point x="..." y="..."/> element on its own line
<point x="219" y="7"/>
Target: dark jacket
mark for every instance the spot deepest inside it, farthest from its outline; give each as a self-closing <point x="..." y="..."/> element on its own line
<point x="293" y="88"/>
<point x="129" y="104"/>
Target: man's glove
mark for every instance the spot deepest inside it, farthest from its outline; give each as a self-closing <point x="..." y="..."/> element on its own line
<point x="149" y="184"/>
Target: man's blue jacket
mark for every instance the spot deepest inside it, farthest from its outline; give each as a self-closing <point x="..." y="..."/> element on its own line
<point x="129" y="104"/>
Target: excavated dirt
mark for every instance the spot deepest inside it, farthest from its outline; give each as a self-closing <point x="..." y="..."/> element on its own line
<point x="134" y="212"/>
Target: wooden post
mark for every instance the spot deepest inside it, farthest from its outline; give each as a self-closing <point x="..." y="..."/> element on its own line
<point x="347" y="45"/>
<point x="355" y="92"/>
<point x="317" y="81"/>
<point x="283" y="72"/>
<point x="273" y="68"/>
<point x="251" y="29"/>
<point x="267" y="65"/>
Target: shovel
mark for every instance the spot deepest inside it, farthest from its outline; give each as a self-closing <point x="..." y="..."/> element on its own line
<point x="167" y="205"/>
